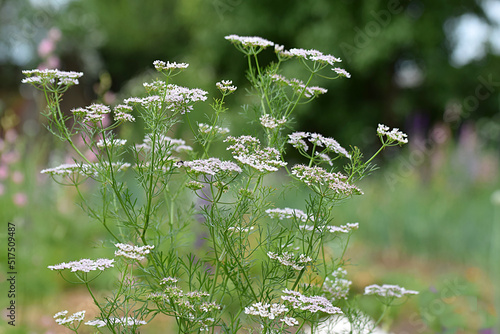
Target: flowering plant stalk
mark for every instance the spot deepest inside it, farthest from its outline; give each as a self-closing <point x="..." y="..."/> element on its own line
<point x="254" y="267"/>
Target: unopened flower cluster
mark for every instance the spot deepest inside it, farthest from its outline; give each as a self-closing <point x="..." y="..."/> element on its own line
<point x="247" y="150"/>
<point x="133" y="252"/>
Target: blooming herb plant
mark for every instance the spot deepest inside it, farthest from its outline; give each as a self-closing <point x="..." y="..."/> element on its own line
<point x="260" y="268"/>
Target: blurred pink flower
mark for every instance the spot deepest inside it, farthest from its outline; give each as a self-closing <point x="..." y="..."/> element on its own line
<point x="17" y="177"/>
<point x="10" y="157"/>
<point x="46" y="47"/>
<point x="51" y="62"/>
<point x="4" y="172"/>
<point x="20" y="199"/>
<point x="55" y="34"/>
<point x="90" y="156"/>
<point x="11" y="135"/>
<point x="109" y="97"/>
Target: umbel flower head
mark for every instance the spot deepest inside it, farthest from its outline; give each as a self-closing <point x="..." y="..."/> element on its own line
<point x="226" y="87"/>
<point x="297" y="140"/>
<point x="61" y="318"/>
<point x="249" y="41"/>
<point x="52" y="80"/>
<point x="389" y="291"/>
<point x="247" y="150"/>
<point x="393" y="137"/>
<point x="84" y="265"/>
<point x="133" y="252"/>
<point x="316" y="176"/>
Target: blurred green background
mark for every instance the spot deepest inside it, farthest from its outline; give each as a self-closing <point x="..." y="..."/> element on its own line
<point x="431" y="68"/>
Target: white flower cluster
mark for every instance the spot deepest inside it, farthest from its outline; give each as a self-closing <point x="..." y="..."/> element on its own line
<point x="388" y="290"/>
<point x="271" y="311"/>
<point x="83" y="169"/>
<point x="164" y="142"/>
<point x="394" y="135"/>
<point x="323" y="157"/>
<point x="65" y="169"/>
<point x="249" y="41"/>
<point x="208" y="129"/>
<point x="311" y="304"/>
<point x="297" y="140"/>
<point x="332" y="229"/>
<point x="123" y="113"/>
<point x="338" y="287"/>
<point x="111" y="143"/>
<point x="241" y="229"/>
<point x="133" y="252"/>
<point x="336" y="182"/>
<point x="161" y="65"/>
<point x="288" y="213"/>
<point x="61" y="318"/>
<point x="84" y="265"/>
<point x="169" y="280"/>
<point x="288" y="259"/>
<point x="48" y="76"/>
<point x="94" y="113"/>
<point x="226" y="86"/>
<point x="298" y="86"/>
<point x="341" y="72"/>
<point x="246" y="149"/>
<point x="172" y="97"/>
<point x="311" y="54"/>
<point x="270" y="122"/>
<point x="122" y="321"/>
<point x="155" y="87"/>
<point x="188" y="304"/>
<point x="211" y="166"/>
